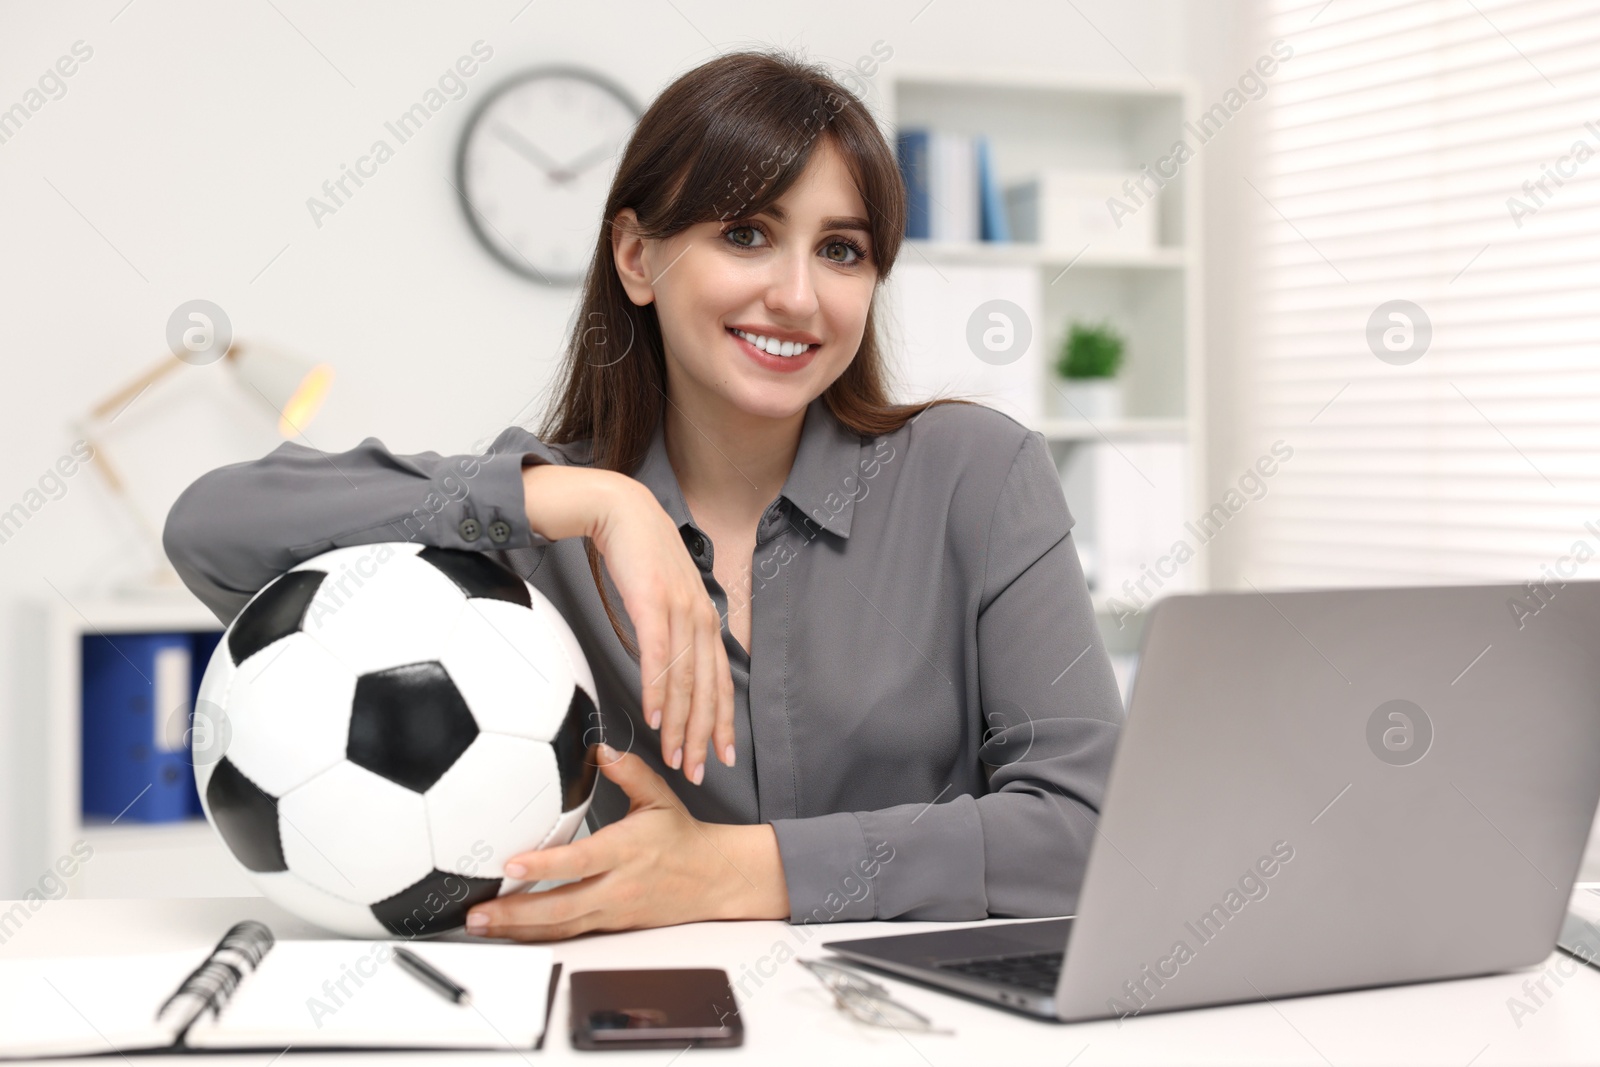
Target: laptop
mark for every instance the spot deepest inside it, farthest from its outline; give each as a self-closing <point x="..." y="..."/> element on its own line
<point x="1316" y="791"/>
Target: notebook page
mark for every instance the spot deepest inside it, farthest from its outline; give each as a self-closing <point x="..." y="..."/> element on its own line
<point x="354" y="994"/>
<point x="86" y="1004"/>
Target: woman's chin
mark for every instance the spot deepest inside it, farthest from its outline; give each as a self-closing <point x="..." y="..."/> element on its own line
<point x="766" y="400"/>
<point x="777" y="412"/>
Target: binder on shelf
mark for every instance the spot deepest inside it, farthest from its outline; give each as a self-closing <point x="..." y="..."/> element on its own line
<point x="953" y="194"/>
<point x="136" y="699"/>
<point x="993" y="225"/>
<point x="913" y="153"/>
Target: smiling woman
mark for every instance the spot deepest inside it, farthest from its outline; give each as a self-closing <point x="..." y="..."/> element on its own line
<point x="864" y="607"/>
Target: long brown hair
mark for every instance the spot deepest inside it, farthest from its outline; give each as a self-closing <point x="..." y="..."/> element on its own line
<point x="724" y="141"/>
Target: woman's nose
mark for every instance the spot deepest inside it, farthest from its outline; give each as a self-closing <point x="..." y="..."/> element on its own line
<point x="792" y="290"/>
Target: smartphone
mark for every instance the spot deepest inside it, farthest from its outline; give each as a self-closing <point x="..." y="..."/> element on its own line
<point x="653" y="1008"/>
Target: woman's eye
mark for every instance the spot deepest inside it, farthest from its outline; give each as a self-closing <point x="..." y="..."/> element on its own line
<point x="731" y="231"/>
<point x="845" y="248"/>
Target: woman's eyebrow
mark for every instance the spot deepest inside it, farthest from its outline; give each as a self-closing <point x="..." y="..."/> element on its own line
<point x="836" y="223"/>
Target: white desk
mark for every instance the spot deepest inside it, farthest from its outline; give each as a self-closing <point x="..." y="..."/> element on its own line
<point x="790" y="1019"/>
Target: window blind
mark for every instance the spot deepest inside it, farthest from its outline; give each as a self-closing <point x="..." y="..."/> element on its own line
<point x="1445" y="153"/>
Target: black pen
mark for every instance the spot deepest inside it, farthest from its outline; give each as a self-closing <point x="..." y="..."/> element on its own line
<point x="431" y="977"/>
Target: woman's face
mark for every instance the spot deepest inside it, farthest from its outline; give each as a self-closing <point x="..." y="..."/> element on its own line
<point x="800" y="274"/>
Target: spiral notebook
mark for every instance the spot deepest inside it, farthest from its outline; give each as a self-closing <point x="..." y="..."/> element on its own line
<point x="252" y="991"/>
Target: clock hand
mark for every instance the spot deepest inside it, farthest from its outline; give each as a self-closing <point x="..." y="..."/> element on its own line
<point x="589" y="159"/>
<point x="530" y="151"/>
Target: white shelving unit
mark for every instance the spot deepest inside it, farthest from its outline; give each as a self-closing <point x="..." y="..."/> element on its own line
<point x="128" y="859"/>
<point x="1039" y="122"/>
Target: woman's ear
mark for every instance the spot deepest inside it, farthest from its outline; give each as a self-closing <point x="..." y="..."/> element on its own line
<point x="628" y="250"/>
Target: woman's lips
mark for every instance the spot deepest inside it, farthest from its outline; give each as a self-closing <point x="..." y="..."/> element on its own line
<point x="781" y="364"/>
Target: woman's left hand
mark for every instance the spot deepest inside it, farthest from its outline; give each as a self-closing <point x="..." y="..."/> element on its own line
<point x="657" y="866"/>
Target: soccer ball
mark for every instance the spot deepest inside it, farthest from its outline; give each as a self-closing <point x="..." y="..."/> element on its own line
<point x="383" y="726"/>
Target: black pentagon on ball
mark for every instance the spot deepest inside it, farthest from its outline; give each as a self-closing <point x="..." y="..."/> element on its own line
<point x="435" y="903"/>
<point x="274" y="614"/>
<point x="476" y="575"/>
<point x="409" y="724"/>
<point x="246" y="817"/>
<point x="571" y="743"/>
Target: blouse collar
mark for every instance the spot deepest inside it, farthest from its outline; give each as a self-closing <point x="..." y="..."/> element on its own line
<point x="821" y="483"/>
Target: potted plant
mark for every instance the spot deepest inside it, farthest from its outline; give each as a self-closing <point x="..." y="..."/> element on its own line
<point x="1091" y="355"/>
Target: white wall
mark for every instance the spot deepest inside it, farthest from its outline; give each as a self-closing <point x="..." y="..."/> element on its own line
<point x="1222" y="39"/>
<point x="178" y="163"/>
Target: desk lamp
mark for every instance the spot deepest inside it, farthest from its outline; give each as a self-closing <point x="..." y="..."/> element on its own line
<point x="291" y="387"/>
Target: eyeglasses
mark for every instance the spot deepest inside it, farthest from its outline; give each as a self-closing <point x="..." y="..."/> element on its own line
<point x="868" y="1001"/>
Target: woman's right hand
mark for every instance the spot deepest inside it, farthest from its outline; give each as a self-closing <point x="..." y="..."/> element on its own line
<point x="685" y="683"/>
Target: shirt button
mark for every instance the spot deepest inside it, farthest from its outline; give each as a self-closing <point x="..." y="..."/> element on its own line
<point x="500" y="531"/>
<point x="697" y="545"/>
<point x="469" y="529"/>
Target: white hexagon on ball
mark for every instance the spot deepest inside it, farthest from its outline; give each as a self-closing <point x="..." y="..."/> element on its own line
<point x="293" y="893"/>
<point x="504" y="792"/>
<point x="355" y="834"/>
<point x="513" y="677"/>
<point x="355" y="609"/>
<point x="289" y="713"/>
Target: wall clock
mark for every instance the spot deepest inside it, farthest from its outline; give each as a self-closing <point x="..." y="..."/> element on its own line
<point x="535" y="164"/>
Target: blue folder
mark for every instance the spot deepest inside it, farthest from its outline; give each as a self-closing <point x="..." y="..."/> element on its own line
<point x="137" y="689"/>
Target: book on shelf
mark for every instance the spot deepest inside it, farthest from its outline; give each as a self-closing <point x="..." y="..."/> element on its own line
<point x="912" y="149"/>
<point x="994" y="225"/>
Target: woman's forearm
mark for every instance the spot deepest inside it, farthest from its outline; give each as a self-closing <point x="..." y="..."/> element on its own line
<point x="570" y="501"/>
<point x="754" y="887"/>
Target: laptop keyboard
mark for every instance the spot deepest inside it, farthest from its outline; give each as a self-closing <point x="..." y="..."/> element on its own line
<point x="1031" y="970"/>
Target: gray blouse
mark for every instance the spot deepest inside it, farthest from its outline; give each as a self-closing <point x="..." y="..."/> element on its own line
<point x="927" y="714"/>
